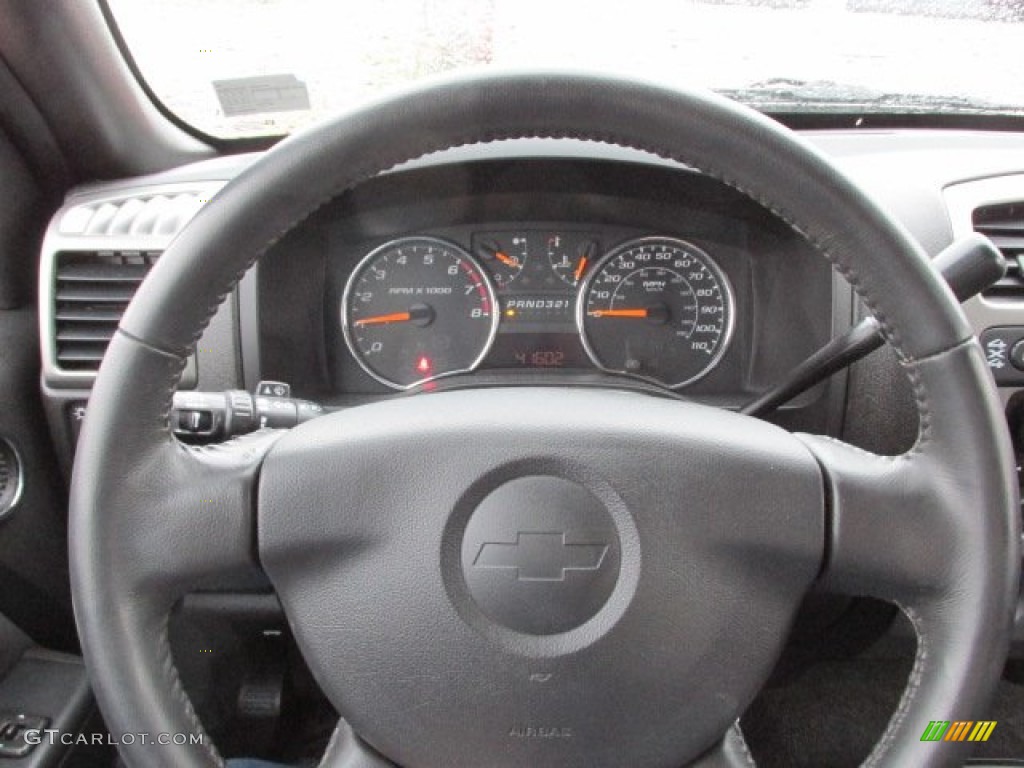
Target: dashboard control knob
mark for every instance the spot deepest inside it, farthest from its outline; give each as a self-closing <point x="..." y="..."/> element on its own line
<point x="1017" y="355"/>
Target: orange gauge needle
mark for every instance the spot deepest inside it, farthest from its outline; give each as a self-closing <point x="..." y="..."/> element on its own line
<point x="394" y="317"/>
<point x="581" y="265"/>
<point x="619" y="313"/>
<point x="505" y="259"/>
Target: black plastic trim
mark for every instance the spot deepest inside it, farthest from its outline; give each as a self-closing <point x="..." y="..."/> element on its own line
<point x="50" y="685"/>
<point x="807" y="121"/>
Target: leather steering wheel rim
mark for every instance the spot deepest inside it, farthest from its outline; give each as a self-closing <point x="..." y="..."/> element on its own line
<point x="935" y="530"/>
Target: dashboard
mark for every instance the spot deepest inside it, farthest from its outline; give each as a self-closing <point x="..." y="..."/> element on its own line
<point x="562" y="269"/>
<point x="536" y="262"/>
<point x="419" y="308"/>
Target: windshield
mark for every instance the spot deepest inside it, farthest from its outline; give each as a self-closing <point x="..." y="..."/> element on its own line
<point x="237" y="68"/>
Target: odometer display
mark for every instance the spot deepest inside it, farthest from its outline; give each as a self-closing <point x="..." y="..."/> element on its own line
<point x="416" y="309"/>
<point x="658" y="309"/>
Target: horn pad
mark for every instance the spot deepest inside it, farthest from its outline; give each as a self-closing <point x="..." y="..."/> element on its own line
<point x="540" y="555"/>
<point x="541" y="577"/>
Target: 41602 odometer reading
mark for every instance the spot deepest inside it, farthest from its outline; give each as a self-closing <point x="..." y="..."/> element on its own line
<point x="658" y="309"/>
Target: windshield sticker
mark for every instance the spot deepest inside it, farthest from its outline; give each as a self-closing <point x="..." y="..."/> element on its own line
<point x="257" y="95"/>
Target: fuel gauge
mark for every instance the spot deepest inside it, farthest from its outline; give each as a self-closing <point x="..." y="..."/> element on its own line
<point x="503" y="254"/>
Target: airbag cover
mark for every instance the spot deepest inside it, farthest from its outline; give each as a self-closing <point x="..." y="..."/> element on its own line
<point x="540" y="577"/>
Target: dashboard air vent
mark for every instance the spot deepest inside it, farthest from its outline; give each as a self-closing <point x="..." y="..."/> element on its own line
<point x="91" y="292"/>
<point x="143" y="216"/>
<point x="1004" y="224"/>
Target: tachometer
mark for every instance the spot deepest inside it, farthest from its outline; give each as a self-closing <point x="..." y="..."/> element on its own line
<point x="656" y="308"/>
<point x="416" y="309"/>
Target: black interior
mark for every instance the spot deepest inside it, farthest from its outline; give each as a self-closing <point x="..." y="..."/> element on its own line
<point x="847" y="659"/>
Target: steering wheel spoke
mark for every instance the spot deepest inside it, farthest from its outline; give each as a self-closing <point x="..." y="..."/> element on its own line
<point x="887" y="522"/>
<point x="932" y="531"/>
<point x="179" y="517"/>
<point x="155" y="520"/>
<point x="203" y="525"/>
<point x="922" y="526"/>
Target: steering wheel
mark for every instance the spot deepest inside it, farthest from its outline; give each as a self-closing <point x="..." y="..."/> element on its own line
<point x="701" y="528"/>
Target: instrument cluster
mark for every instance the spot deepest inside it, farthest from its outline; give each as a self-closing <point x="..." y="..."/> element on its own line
<point x="652" y="307"/>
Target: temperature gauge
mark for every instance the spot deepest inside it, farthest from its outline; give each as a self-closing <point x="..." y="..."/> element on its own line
<point x="571" y="256"/>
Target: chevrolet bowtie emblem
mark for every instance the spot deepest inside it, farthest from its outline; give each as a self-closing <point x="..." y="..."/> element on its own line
<point x="541" y="556"/>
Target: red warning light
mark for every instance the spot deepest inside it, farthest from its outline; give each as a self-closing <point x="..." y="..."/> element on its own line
<point x="423" y="365"/>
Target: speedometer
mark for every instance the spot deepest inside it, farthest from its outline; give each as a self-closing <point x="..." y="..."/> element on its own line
<point x="656" y="308"/>
<point x="416" y="309"/>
